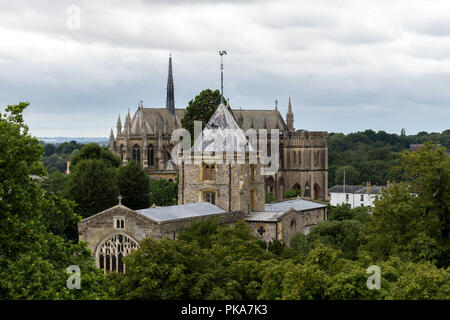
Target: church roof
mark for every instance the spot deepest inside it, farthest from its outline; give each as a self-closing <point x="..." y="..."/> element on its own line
<point x="184" y="211"/>
<point x="296" y="204"/>
<point x="160" y="120"/>
<point x="260" y="119"/>
<point x="221" y="134"/>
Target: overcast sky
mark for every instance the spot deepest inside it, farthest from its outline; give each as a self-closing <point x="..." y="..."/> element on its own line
<point x="347" y="65"/>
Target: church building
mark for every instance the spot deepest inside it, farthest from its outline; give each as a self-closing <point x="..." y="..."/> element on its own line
<point x="214" y="185"/>
<point x="303" y="155"/>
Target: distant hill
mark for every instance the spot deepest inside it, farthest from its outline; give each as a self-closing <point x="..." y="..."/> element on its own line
<point x="80" y="140"/>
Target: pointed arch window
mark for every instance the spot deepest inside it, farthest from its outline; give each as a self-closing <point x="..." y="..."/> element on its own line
<point x="209" y="172"/>
<point x="111" y="252"/>
<point x="137" y="154"/>
<point x="150" y="156"/>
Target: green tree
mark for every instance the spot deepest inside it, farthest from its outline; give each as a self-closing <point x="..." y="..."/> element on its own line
<point x="94" y="151"/>
<point x="134" y="185"/>
<point x="351" y="175"/>
<point x="33" y="260"/>
<point x="201" y="109"/>
<point x="292" y="193"/>
<point x="55" y="183"/>
<point x="163" y="192"/>
<point x="49" y="149"/>
<point x="92" y="185"/>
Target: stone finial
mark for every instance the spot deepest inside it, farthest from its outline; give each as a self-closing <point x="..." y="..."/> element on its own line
<point x="120" y="199"/>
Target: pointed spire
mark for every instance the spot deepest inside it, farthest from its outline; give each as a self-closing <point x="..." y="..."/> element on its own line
<point x="170" y="102"/>
<point x="276" y="105"/>
<point x="111" y="141"/>
<point x="290" y="117"/>
<point x="119" y="126"/>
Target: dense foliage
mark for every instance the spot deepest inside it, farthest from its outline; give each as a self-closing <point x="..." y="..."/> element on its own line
<point x="55" y="157"/>
<point x="33" y="257"/>
<point x="370" y="156"/>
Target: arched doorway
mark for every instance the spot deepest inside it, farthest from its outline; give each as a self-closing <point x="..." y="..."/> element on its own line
<point x="317" y="191"/>
<point x="111" y="251"/>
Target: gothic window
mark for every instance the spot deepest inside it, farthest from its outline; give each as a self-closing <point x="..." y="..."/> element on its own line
<point x="150" y="156"/>
<point x="112" y="250"/>
<point x="209" y="196"/>
<point x="209" y="172"/>
<point x="295" y="160"/>
<point x="299" y="158"/>
<point x="137" y="155"/>
<point x="293" y="224"/>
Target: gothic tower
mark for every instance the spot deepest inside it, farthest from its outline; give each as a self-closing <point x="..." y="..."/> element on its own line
<point x="170" y="102"/>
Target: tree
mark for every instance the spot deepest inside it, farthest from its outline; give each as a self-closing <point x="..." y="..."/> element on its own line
<point x="94" y="151"/>
<point x="134" y="185"/>
<point x="351" y="175"/>
<point x="33" y="260"/>
<point x="163" y="192"/>
<point x="292" y="193"/>
<point x="201" y="109"/>
<point x="49" y="149"/>
<point x="339" y="235"/>
<point x="340" y="212"/>
<point x="411" y="218"/>
<point x="55" y="183"/>
<point x="92" y="185"/>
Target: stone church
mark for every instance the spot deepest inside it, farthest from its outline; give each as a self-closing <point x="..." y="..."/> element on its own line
<point x="213" y="186"/>
<point x="145" y="137"/>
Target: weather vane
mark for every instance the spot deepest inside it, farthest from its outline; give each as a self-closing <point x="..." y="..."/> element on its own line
<point x="221" y="74"/>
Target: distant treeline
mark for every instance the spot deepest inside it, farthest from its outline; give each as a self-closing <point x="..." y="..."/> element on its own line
<point x="372" y="156"/>
<point x="55" y="156"/>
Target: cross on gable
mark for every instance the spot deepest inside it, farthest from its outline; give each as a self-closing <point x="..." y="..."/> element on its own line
<point x="120" y="199"/>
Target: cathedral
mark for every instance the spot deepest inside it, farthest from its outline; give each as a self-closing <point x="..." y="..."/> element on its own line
<point x="213" y="186"/>
<point x="146" y="138"/>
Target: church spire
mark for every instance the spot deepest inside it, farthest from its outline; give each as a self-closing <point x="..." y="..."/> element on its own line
<point x="290" y="117"/>
<point x="170" y="102"/>
<point x="119" y="126"/>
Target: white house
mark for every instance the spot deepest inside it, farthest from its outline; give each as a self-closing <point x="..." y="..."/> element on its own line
<point x="356" y="196"/>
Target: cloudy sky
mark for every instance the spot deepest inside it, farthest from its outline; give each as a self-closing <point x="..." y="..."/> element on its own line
<point x="347" y="65"/>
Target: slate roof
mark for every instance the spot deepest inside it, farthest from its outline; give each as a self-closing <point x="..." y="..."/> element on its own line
<point x="184" y="211"/>
<point x="296" y="204"/>
<point x="221" y="134"/>
<point x="160" y="120"/>
<point x="266" y="216"/>
<point x="355" y="189"/>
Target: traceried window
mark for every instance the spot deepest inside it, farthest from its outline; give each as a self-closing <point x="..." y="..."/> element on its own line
<point x="136" y="155"/>
<point x="112" y="250"/>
